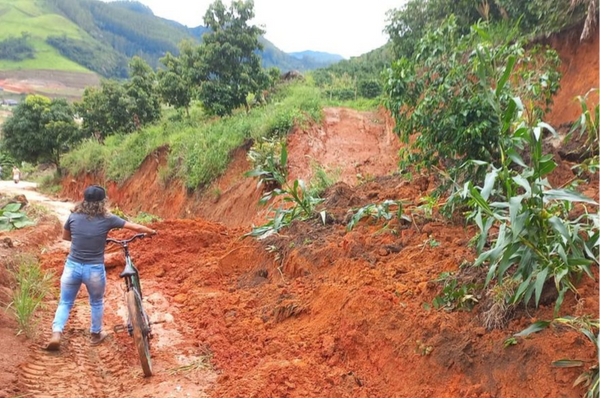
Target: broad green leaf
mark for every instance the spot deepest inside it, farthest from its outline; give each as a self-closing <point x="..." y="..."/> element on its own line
<point x="546" y="167"/>
<point x="533" y="328"/>
<point x="12" y="207"/>
<point x="568" y="195"/>
<point x="549" y="128"/>
<point x="515" y="157"/>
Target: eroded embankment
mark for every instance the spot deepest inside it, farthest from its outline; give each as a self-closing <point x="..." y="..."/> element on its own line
<point x="580" y="66"/>
<point x="329" y="313"/>
<point x="355" y="143"/>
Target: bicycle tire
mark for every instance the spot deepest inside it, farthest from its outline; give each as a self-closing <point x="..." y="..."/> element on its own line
<point x="141" y="340"/>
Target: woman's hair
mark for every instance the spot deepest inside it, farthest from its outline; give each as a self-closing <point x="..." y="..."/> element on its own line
<point x="92" y="209"/>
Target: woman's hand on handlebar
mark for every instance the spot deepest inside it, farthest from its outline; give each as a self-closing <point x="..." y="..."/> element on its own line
<point x="139" y="228"/>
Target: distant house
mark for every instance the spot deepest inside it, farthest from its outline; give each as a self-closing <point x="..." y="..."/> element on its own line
<point x="11" y="102"/>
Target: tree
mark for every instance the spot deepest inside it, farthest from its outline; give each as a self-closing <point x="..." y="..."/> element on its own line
<point x="105" y="110"/>
<point x="144" y="100"/>
<point x="230" y="67"/>
<point x="174" y="84"/>
<point x="120" y="108"/>
<point x="40" y="130"/>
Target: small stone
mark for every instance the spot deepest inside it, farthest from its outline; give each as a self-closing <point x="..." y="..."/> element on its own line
<point x="180" y="298"/>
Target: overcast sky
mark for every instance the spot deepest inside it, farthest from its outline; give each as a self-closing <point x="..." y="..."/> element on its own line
<point x="345" y="27"/>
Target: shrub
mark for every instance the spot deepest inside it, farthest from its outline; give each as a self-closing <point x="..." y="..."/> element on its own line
<point x="454" y="93"/>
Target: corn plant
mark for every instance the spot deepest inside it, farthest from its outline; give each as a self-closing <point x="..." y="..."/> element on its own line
<point x="536" y="239"/>
<point x="11" y="218"/>
<point x="298" y="204"/>
<point x="269" y="161"/>
<point x="32" y="286"/>
<point x="589" y="123"/>
<point x="378" y="211"/>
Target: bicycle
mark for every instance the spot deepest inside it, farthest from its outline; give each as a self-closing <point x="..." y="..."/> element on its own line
<point x="138" y="323"/>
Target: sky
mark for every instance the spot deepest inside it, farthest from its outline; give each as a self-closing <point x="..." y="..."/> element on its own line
<point x="345" y="27"/>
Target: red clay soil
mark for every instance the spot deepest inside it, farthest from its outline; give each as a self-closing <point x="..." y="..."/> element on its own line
<point x="353" y="143"/>
<point x="14" y="348"/>
<point x="329" y="313"/>
<point x="580" y="71"/>
<point x="349" y="141"/>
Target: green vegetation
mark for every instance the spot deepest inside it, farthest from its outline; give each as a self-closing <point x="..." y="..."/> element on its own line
<point x="454" y="295"/>
<point x="92" y="35"/>
<point x="322" y="179"/>
<point x="269" y="162"/>
<point x="39" y="130"/>
<point x="11" y="218"/>
<point x="230" y="68"/>
<point x="379" y="211"/>
<point x="199" y="148"/>
<point x="408" y="24"/>
<point x="586" y="326"/>
<point x="474" y="76"/>
<point x="32" y="285"/>
<point x="16" y="48"/>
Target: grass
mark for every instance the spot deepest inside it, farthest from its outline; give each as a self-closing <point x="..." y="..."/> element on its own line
<point x="31" y="16"/>
<point x="200" y="148"/>
<point x="32" y="285"/>
<point x="360" y="104"/>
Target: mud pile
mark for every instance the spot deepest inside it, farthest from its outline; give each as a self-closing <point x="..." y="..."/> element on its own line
<point x="353" y="144"/>
<point x="322" y="312"/>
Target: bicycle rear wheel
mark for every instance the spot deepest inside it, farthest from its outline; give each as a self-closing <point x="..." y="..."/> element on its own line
<point x="140" y="328"/>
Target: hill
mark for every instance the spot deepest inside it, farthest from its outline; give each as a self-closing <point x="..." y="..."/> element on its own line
<point x="93" y="36"/>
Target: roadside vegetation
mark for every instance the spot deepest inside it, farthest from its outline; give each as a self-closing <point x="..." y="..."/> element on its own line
<point x="32" y="286"/>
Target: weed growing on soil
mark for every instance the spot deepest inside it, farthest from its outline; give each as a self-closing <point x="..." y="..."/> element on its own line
<point x="588" y="327"/>
<point x="32" y="285"/>
<point x="322" y="179"/>
<point x="146" y="218"/>
<point x="537" y="240"/>
<point x="12" y="218"/>
<point x="456" y="296"/>
<point x="379" y="211"/>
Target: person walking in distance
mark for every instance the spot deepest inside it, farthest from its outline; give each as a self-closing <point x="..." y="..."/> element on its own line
<point x="87" y="228"/>
<point x="16" y="174"/>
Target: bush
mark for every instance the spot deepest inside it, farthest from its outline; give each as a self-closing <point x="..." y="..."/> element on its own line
<point x="455" y="92"/>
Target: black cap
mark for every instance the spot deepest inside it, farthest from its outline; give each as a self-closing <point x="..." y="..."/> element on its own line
<point x="94" y="193"/>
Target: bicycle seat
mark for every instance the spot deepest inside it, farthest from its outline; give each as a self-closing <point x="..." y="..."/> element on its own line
<point x="128" y="271"/>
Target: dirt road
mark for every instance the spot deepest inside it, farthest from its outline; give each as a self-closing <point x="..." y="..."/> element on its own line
<point x="62" y="209"/>
<point x="110" y="370"/>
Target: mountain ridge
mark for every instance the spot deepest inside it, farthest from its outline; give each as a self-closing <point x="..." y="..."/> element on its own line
<point x="100" y="37"/>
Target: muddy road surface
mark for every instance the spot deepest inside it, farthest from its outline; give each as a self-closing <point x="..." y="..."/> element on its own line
<point x="110" y="369"/>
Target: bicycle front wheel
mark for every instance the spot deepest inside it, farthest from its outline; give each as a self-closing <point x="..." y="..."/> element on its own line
<point x="140" y="335"/>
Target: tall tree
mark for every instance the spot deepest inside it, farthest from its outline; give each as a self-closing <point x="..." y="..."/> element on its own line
<point x="40" y="130"/>
<point x="141" y="89"/>
<point x="174" y="82"/>
<point x="230" y="64"/>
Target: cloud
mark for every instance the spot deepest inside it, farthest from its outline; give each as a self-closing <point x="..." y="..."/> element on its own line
<point x="346" y="27"/>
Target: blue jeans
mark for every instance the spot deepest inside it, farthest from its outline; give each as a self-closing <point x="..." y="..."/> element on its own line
<point x="94" y="278"/>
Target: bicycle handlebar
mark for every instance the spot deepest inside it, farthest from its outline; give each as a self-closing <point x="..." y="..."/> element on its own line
<point x="125" y="241"/>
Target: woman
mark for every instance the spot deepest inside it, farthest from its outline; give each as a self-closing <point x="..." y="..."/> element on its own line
<point x="87" y="228"/>
<point x="16" y="174"/>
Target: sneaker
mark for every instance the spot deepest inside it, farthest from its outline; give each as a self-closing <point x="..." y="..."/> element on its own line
<point x="54" y="342"/>
<point x="98" y="338"/>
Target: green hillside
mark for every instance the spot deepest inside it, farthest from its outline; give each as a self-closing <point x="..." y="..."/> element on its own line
<point x="91" y="35"/>
<point x="35" y="18"/>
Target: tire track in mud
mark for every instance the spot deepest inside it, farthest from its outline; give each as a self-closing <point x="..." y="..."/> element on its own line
<point x="78" y="369"/>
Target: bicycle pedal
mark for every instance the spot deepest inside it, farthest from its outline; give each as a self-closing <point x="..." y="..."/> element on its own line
<point x="120" y="328"/>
